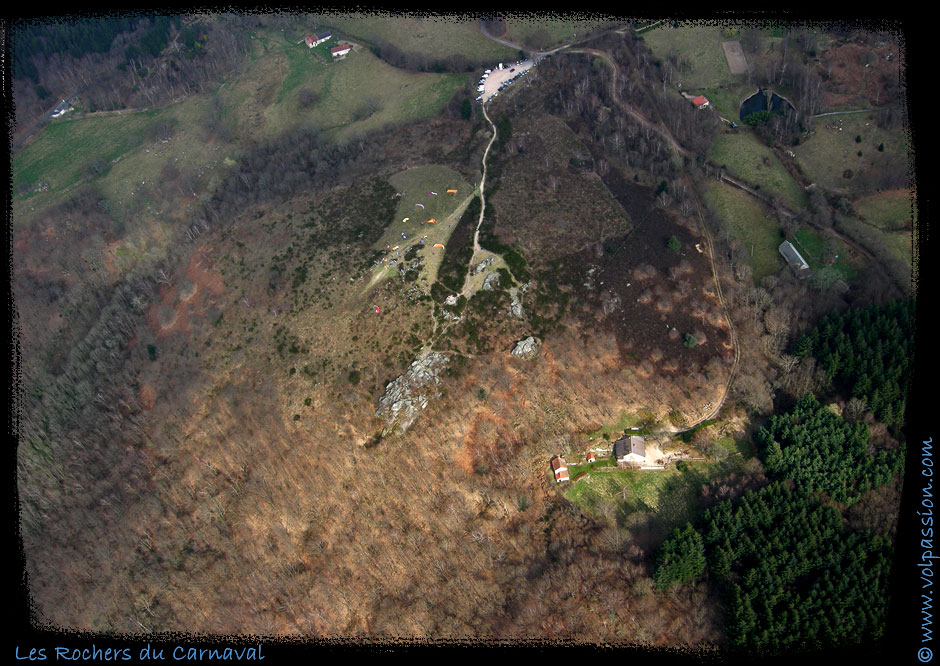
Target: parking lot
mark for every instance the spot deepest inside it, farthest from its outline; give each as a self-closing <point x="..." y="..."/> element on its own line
<point x="496" y="79"/>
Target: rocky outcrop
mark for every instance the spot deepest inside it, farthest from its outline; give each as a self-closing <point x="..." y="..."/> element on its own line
<point x="480" y="267"/>
<point x="612" y="304"/>
<point x="413" y="266"/>
<point x="589" y="281"/>
<point x="526" y="348"/>
<point x="491" y="282"/>
<point x="515" y="304"/>
<point x="408" y="394"/>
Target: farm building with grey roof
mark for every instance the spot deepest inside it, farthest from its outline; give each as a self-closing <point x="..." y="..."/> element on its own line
<point x="793" y="257"/>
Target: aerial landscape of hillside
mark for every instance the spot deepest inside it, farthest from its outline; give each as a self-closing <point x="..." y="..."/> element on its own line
<point x="519" y="327"/>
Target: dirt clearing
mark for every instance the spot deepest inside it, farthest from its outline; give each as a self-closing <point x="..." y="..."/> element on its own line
<point x="737" y="63"/>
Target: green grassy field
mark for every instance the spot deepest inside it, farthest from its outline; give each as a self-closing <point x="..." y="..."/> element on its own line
<point x="700" y="45"/>
<point x="557" y="31"/>
<point x="825" y="155"/>
<point x="60" y="152"/>
<point x="751" y="225"/>
<point x="262" y="102"/>
<point x="344" y="88"/>
<point x="745" y="157"/>
<point x="726" y="99"/>
<point x="671" y="494"/>
<point x="813" y="248"/>
<point x="614" y="430"/>
<point x="898" y="242"/>
<point x="414" y="185"/>
<point x="436" y="37"/>
<point x="888" y="211"/>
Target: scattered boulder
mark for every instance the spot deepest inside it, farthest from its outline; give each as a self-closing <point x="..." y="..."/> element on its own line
<point x="611" y="304"/>
<point x="589" y="278"/>
<point x="451" y="300"/>
<point x="526" y="348"/>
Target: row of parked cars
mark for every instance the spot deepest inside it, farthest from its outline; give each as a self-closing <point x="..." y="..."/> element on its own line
<point x="505" y="83"/>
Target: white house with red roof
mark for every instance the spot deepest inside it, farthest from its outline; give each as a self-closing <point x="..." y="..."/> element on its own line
<point x="560" y="468"/>
<point x="340" y="51"/>
<point x="312" y="40"/>
<point x="700" y="102"/>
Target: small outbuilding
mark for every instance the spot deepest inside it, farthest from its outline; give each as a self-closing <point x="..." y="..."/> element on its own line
<point x="591" y="457"/>
<point x="700" y="102"/>
<point x="560" y="467"/>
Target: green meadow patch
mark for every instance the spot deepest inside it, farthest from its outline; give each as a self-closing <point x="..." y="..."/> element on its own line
<point x="830" y="156"/>
<point x="437" y="38"/>
<point x="814" y="249"/>
<point x="625" y="422"/>
<point x="361" y="93"/>
<point x="751" y="224"/>
<point x="899" y="243"/>
<point x="671" y="494"/>
<point x="545" y="32"/>
<point x="414" y="185"/>
<point x="699" y="45"/>
<point x="726" y="99"/>
<point x="64" y="151"/>
<point x="744" y="156"/>
<point x="888" y="211"/>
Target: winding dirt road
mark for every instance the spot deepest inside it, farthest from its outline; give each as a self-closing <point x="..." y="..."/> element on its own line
<point x="664" y="133"/>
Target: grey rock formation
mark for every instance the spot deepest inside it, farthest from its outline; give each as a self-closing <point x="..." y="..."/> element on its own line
<point x="407" y="394"/>
<point x="526" y="348"/>
<point x="480" y="267"/>
<point x="491" y="282"/>
<point x="611" y="304"/>
<point x="515" y="305"/>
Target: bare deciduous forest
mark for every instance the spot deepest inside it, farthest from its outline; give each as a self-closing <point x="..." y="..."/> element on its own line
<point x="200" y="367"/>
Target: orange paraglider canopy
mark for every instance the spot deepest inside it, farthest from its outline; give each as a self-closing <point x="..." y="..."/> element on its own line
<point x="451" y="191"/>
<point x="440" y="245"/>
<point x="431" y="221"/>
